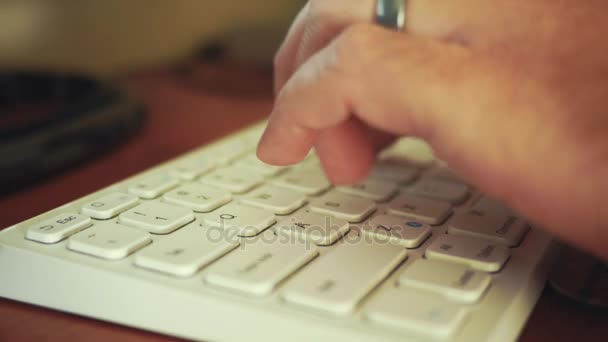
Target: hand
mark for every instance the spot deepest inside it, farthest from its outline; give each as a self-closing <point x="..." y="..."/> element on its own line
<point x="513" y="95"/>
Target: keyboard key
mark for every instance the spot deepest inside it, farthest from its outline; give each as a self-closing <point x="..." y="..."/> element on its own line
<point x="152" y="187"/>
<point x="454" y="193"/>
<point x="318" y="229"/>
<point x="157" y="218"/>
<point x="376" y="190"/>
<point x="184" y="252"/>
<point x="253" y="164"/>
<point x="272" y="198"/>
<point x="340" y="279"/>
<point x="489" y="205"/>
<point x="198" y="197"/>
<point x="445" y="174"/>
<point x="254" y="134"/>
<point x="109" y="206"/>
<point x="396" y="229"/>
<point x="409" y="152"/>
<point x="418" y="312"/>
<point x="256" y="268"/>
<point x="192" y="168"/>
<point x="421" y="209"/>
<point x="454" y="281"/>
<point x="347" y="207"/>
<point x="244" y="220"/>
<point x="478" y="254"/>
<point x="312" y="160"/>
<point x="399" y="174"/>
<point x="227" y="152"/>
<point x="310" y="182"/>
<point x="498" y="228"/>
<point x="109" y="240"/>
<point x="58" y="228"/>
<point x="235" y="180"/>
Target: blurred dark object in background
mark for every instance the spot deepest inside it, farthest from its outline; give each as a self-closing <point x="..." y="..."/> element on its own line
<point x="50" y="121"/>
<point x="50" y="118"/>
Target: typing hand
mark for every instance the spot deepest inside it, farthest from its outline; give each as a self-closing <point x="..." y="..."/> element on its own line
<point x="512" y="94"/>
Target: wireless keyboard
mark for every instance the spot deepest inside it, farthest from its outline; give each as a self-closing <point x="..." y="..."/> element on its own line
<point x="216" y="245"/>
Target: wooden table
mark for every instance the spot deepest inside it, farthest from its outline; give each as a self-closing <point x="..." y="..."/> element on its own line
<point x="185" y="112"/>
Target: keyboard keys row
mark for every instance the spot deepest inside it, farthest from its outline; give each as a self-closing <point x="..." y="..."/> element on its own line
<point x="245" y="221"/>
<point x="239" y="178"/>
<point x="246" y="175"/>
<point x="163" y="218"/>
<point x="496" y="227"/>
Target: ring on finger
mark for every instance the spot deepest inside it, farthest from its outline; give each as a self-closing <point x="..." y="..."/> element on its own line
<point x="391" y="14"/>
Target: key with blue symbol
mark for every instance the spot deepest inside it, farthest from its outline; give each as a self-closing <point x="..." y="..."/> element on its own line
<point x="414" y="224"/>
<point x="396" y="229"/>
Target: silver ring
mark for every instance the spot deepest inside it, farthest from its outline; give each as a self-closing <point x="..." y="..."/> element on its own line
<point x="391" y="14"/>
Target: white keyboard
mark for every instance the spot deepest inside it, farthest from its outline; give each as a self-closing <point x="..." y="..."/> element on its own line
<point x="216" y="245"/>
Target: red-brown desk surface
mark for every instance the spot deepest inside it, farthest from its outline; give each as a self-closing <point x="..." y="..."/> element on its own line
<point x="185" y="112"/>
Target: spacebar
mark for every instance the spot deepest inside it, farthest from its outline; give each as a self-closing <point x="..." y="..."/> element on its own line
<point x="341" y="278"/>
